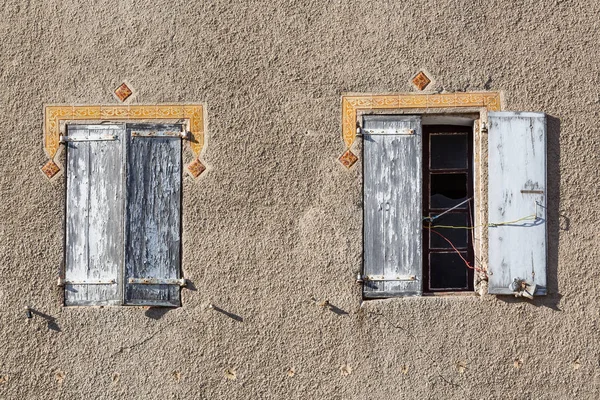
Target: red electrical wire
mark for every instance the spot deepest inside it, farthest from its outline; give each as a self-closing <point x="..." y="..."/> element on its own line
<point x="455" y="249"/>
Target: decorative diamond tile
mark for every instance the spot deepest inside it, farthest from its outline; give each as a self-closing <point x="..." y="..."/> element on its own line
<point x="421" y="80"/>
<point x="50" y="169"/>
<point x="123" y="92"/>
<point x="348" y="158"/>
<point x="196" y="168"/>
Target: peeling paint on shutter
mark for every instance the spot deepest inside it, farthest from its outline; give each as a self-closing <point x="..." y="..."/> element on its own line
<point x="392" y="206"/>
<point x="153" y="214"/>
<point x="517" y="189"/>
<point x="94" y="216"/>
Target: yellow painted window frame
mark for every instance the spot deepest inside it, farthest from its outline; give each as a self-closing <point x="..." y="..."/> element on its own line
<point x="192" y="114"/>
<point x="354" y="103"/>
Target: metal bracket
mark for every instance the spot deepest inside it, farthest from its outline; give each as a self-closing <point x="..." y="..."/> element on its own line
<point x="63" y="282"/>
<point x="532" y="191"/>
<point x="161" y="134"/>
<point x="521" y="288"/>
<point x="380" y="278"/>
<point x="484" y="127"/>
<point x="155" y="281"/>
<point x="389" y="131"/>
<point x="90" y="138"/>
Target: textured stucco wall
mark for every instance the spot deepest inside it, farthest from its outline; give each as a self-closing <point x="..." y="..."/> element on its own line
<point x="276" y="222"/>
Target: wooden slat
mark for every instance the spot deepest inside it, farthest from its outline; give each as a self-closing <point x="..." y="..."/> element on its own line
<point x="516" y="163"/>
<point x="153" y="215"/>
<point x="94" y="227"/>
<point x="392" y="206"/>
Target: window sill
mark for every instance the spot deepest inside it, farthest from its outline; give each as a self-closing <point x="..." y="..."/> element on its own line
<point x="426" y="295"/>
<point x="450" y="294"/>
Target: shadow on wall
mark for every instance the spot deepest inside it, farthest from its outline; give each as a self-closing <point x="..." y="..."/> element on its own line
<point x="227" y="313"/>
<point x="556" y="220"/>
<point x="52" y="325"/>
<point x="157" y="312"/>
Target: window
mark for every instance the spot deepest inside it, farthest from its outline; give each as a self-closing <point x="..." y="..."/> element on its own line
<point x="447" y="201"/>
<point x="419" y="203"/>
<point x="123" y="214"/>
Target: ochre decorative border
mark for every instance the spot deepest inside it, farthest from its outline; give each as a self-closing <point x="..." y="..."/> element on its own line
<point x="54" y="114"/>
<point x="353" y="103"/>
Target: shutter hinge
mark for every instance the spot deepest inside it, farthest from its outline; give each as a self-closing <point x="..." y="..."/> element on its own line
<point x="155" y="281"/>
<point x="90" y="138"/>
<point x="63" y="282"/>
<point x="185" y="135"/>
<point x="388" y="131"/>
<point x="484" y="127"/>
<point x="380" y="278"/>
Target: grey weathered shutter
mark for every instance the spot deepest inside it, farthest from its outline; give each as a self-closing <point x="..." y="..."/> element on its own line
<point x="392" y="206"/>
<point x="517" y="189"/>
<point x="94" y="215"/>
<point x="153" y="215"/>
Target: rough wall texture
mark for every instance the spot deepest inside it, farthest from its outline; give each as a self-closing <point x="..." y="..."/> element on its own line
<point x="274" y="227"/>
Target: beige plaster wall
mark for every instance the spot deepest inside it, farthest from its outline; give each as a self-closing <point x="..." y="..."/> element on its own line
<point x="274" y="227"/>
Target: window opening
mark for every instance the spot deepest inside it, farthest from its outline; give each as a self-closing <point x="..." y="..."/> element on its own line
<point x="447" y="208"/>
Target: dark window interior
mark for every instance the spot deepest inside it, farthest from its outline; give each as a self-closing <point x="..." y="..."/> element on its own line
<point x="447" y="182"/>
<point x="447" y="190"/>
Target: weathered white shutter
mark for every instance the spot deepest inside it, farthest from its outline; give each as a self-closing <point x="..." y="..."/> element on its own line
<point x="94" y="215"/>
<point x="153" y="215"/>
<point x="392" y="206"/>
<point x="517" y="189"/>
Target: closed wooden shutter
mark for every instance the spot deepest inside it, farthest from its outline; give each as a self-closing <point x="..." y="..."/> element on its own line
<point x="392" y="206"/>
<point x="153" y="215"/>
<point x="517" y="200"/>
<point x="94" y="215"/>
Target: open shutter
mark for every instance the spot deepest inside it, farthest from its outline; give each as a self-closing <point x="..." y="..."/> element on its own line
<point x="153" y="215"/>
<point x="94" y="215"/>
<point x="393" y="219"/>
<point x="517" y="190"/>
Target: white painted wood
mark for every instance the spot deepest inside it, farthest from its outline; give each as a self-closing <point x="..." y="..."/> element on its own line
<point x="392" y="206"/>
<point x="153" y="215"/>
<point x="94" y="222"/>
<point x="517" y="180"/>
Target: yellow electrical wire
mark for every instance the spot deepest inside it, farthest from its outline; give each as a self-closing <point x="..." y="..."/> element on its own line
<point x="531" y="217"/>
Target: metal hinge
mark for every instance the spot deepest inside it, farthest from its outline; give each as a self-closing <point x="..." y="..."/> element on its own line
<point x="388" y="131"/>
<point x="156" y="281"/>
<point x="384" y="278"/>
<point x="161" y="134"/>
<point x="529" y="191"/>
<point x="484" y="127"/>
<point x="63" y="282"/>
<point x="89" y="138"/>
